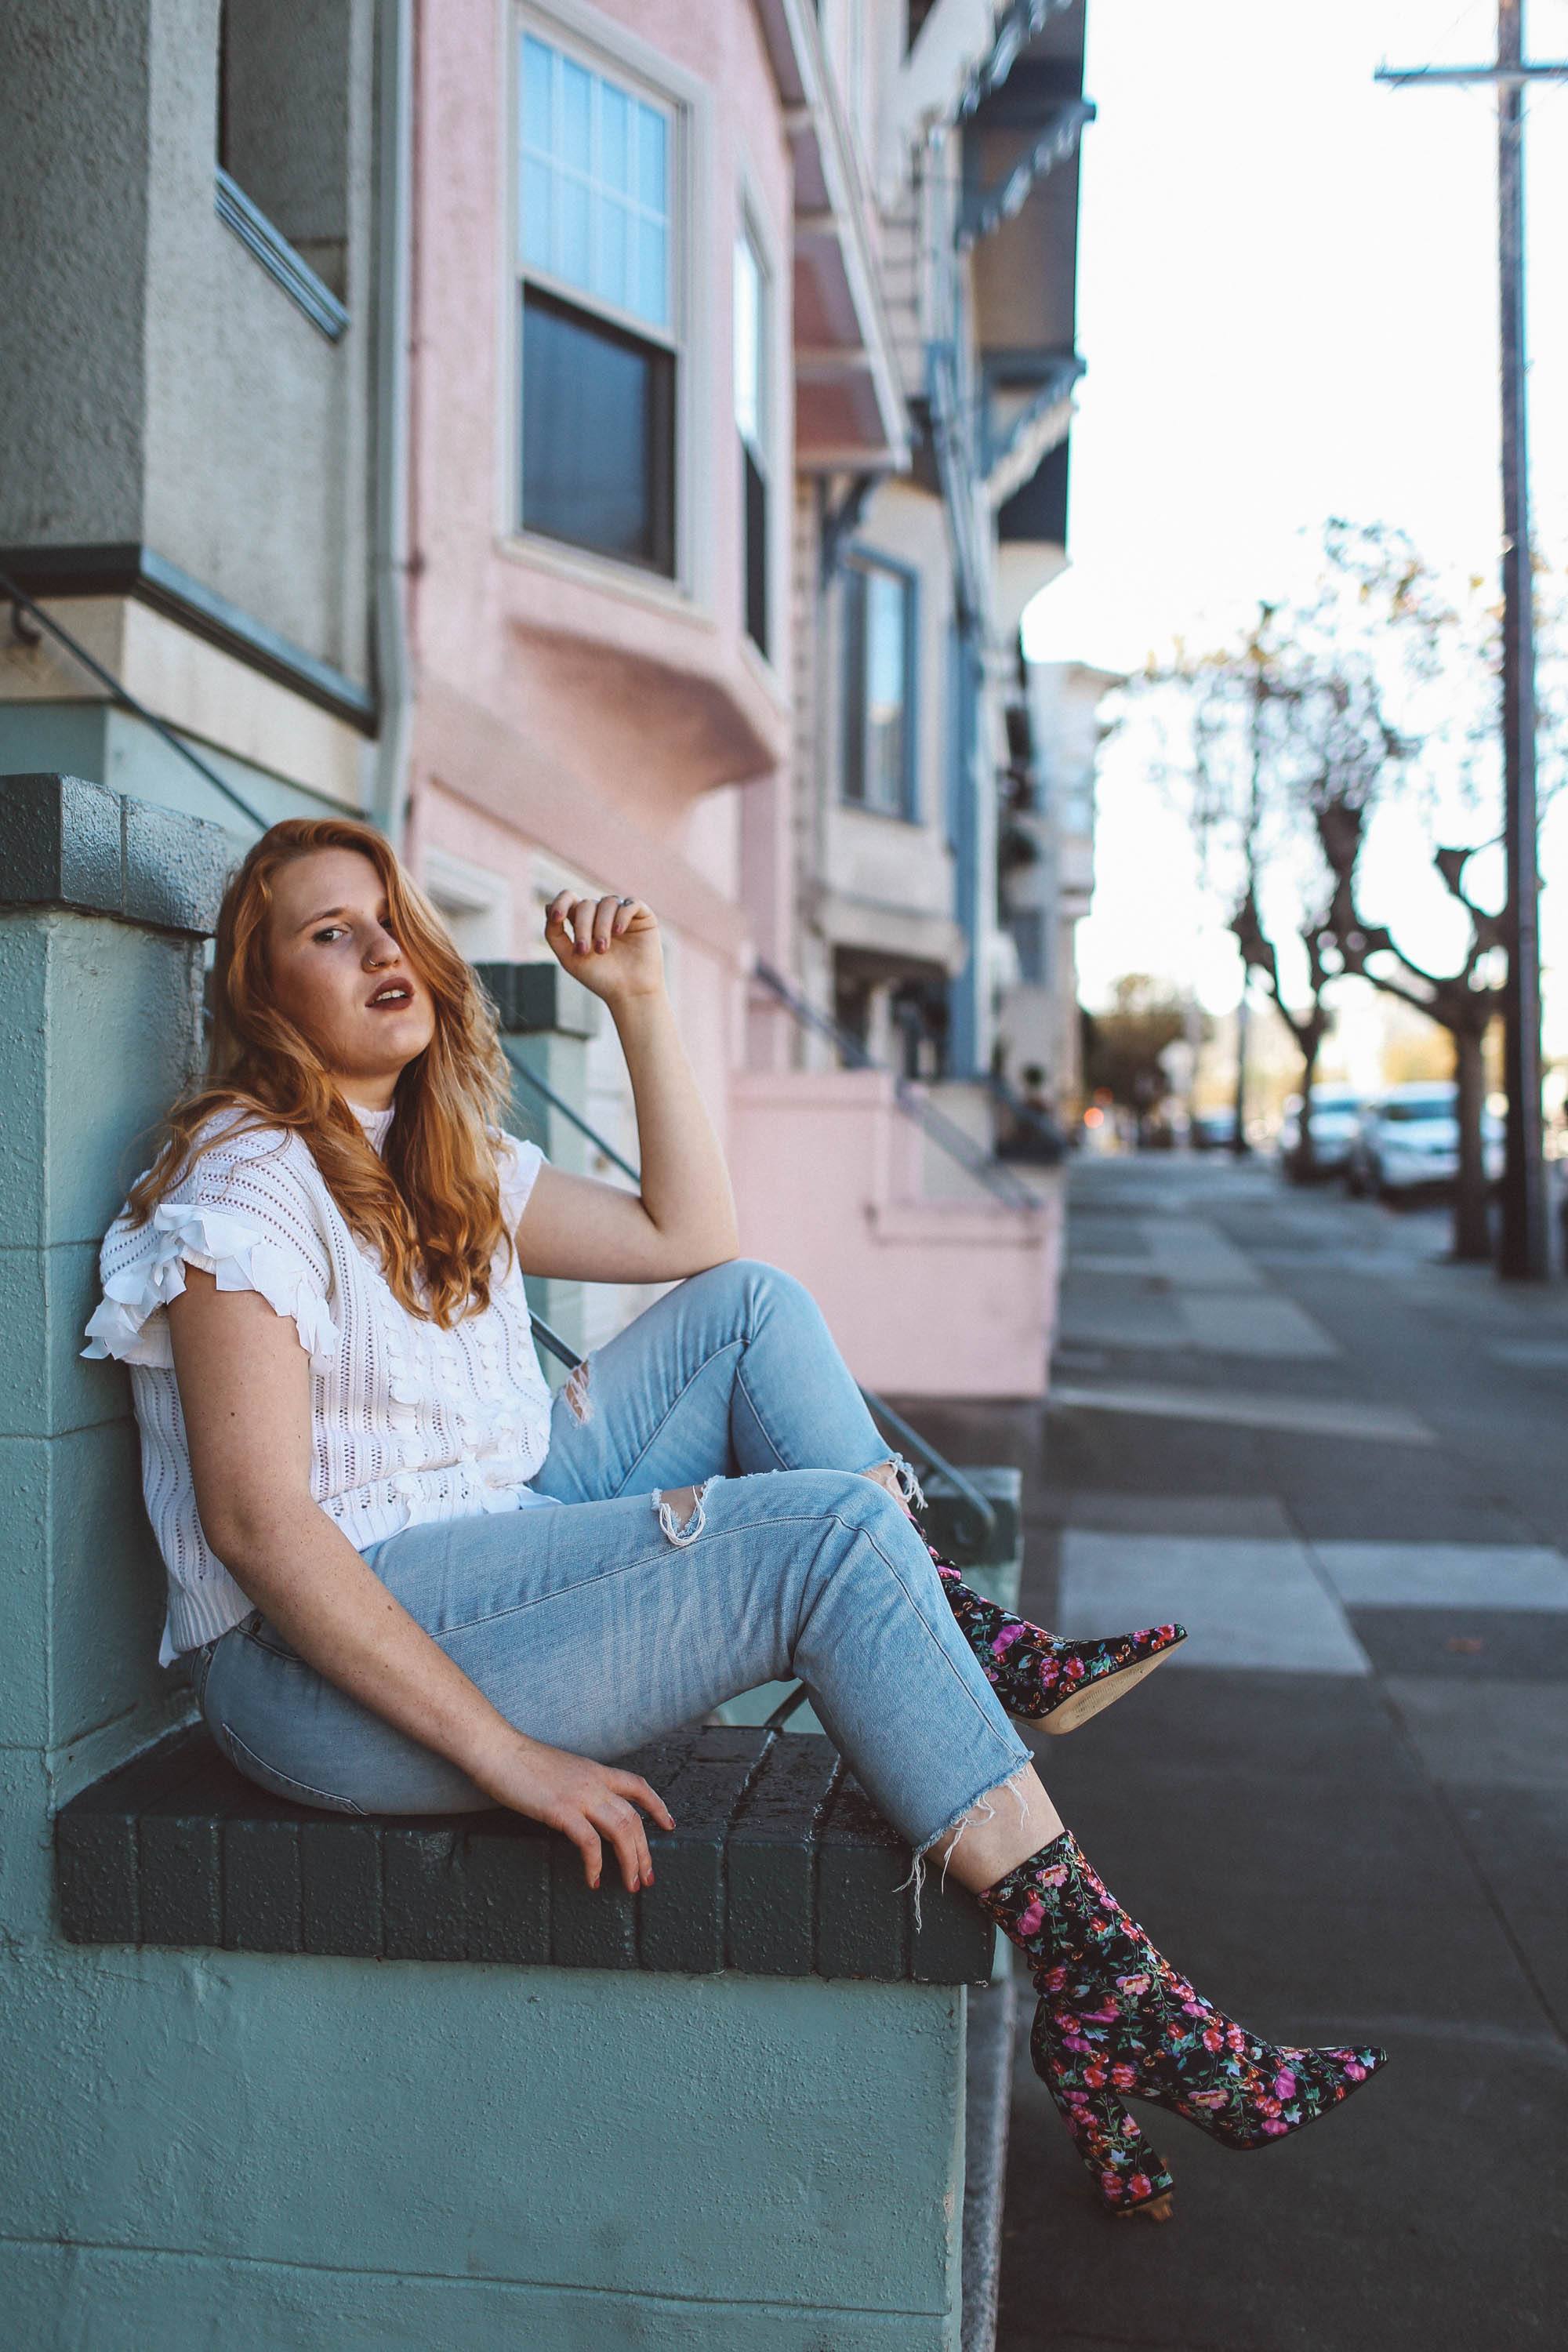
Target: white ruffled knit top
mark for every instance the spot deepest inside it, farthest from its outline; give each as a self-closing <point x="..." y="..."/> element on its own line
<point x="411" y="1422"/>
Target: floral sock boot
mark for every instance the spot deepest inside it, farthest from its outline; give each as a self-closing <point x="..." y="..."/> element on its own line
<point x="1116" y="2020"/>
<point x="1037" y="1675"/>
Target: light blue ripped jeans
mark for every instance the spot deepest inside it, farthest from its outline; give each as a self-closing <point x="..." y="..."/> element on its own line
<point x="603" y="1624"/>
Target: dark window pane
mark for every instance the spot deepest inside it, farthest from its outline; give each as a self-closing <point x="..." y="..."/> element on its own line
<point x="854" y="683"/>
<point x="756" y="495"/>
<point x="599" y="435"/>
<point x="283" y="121"/>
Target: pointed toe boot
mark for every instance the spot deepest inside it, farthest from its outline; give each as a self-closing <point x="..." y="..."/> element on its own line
<point x="1040" y="1678"/>
<point x="1117" y="2021"/>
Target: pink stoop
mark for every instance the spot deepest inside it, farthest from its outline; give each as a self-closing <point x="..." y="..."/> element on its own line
<point x="926" y="1298"/>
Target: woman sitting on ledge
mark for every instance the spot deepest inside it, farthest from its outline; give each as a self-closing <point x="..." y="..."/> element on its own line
<point x="409" y="1582"/>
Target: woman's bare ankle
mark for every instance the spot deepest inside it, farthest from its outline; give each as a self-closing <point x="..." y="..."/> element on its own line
<point x="1004" y="1828"/>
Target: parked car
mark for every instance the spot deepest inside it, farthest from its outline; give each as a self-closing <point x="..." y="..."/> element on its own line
<point x="1336" y="1115"/>
<point x="1408" y="1141"/>
<point x="1212" y="1131"/>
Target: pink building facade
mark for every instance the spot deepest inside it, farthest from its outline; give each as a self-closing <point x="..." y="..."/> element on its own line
<point x="658" y="349"/>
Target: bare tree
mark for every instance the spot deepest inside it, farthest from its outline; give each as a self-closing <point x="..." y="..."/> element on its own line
<point x="1309" y="1024"/>
<point x="1464" y="1003"/>
<point x="1304" y="719"/>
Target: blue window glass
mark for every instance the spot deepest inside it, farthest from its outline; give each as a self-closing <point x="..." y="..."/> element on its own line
<point x="574" y="152"/>
<point x="651" y="299"/>
<point x="537" y="66"/>
<point x="653" y="175"/>
<point x="595" y="188"/>
<point x="879" y="648"/>
<point x="616" y="138"/>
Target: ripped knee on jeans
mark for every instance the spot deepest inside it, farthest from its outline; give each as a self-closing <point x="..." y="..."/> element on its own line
<point x="897" y="1477"/>
<point x="689" y="1501"/>
<point x="577" y="1399"/>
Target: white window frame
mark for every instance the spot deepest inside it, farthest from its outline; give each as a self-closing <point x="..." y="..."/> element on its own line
<point x="604" y="46"/>
<point x="752" y="220"/>
<point x="767" y="439"/>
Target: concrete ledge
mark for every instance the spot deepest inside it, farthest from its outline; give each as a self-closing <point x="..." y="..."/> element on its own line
<point x="779" y="1865"/>
<point x="68" y="843"/>
<point x="988" y="2095"/>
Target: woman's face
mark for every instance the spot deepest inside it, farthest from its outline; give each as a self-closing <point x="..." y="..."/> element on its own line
<point x="341" y="975"/>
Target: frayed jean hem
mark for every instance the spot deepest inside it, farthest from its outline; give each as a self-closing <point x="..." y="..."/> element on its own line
<point x="979" y="1808"/>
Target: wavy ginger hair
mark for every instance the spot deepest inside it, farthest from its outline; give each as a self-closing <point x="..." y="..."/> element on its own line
<point x="432" y="1205"/>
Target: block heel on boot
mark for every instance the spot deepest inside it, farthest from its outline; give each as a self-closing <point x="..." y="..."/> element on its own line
<point x="1039" y="1676"/>
<point x="1129" y="2175"/>
<point x="1116" y="2021"/>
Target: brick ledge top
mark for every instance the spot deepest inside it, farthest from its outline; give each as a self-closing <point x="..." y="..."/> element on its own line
<point x="778" y="1865"/>
<point x="64" y="842"/>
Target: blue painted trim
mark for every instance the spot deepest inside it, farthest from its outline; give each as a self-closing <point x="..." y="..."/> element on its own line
<point x="1017" y="25"/>
<point x="278" y="258"/>
<point x="962" y="989"/>
<point x="983" y="210"/>
<point x="1052" y="374"/>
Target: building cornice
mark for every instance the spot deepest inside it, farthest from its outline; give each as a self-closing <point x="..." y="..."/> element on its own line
<point x="127" y="569"/>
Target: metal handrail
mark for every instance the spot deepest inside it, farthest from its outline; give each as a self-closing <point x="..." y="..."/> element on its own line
<point x="879" y="1408"/>
<point x="553" y="1344"/>
<point x="944" y="1132"/>
<point x="913" y="1443"/>
<point x="21" y="602"/>
<point x="982" y="1165"/>
<point x="1039" y="1122"/>
<point x="558" y="1102"/>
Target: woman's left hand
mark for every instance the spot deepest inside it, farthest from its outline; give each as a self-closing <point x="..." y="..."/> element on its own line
<point x="614" y="949"/>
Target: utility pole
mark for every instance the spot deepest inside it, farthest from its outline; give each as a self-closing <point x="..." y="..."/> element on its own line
<point x="1239" y="1142"/>
<point x="1525" y="1252"/>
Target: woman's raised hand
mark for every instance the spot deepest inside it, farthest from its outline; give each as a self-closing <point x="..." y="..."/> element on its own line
<point x="614" y="949"/>
<point x="593" y="1804"/>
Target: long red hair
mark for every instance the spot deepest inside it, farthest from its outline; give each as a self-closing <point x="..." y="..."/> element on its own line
<point x="432" y="1203"/>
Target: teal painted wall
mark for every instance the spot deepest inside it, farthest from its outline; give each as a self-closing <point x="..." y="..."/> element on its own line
<point x="113" y="747"/>
<point x="264" y="2152"/>
<point x="98" y="1020"/>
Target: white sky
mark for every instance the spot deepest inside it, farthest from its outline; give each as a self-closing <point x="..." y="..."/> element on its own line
<point x="1288" y="305"/>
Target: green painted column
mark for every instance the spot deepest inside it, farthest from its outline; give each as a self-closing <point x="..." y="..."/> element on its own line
<point x="103" y="903"/>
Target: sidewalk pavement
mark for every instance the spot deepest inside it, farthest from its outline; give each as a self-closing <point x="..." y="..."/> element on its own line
<point x="1343" y="1808"/>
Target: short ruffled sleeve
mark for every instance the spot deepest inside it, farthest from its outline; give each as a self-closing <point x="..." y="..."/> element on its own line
<point x="247" y="1216"/>
<point x="518" y="1164"/>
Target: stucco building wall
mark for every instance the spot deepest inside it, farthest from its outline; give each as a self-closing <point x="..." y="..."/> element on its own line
<point x="160" y="387"/>
<point x="581" y="723"/>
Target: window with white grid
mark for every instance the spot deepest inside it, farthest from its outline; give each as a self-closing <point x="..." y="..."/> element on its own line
<point x="597" y="270"/>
